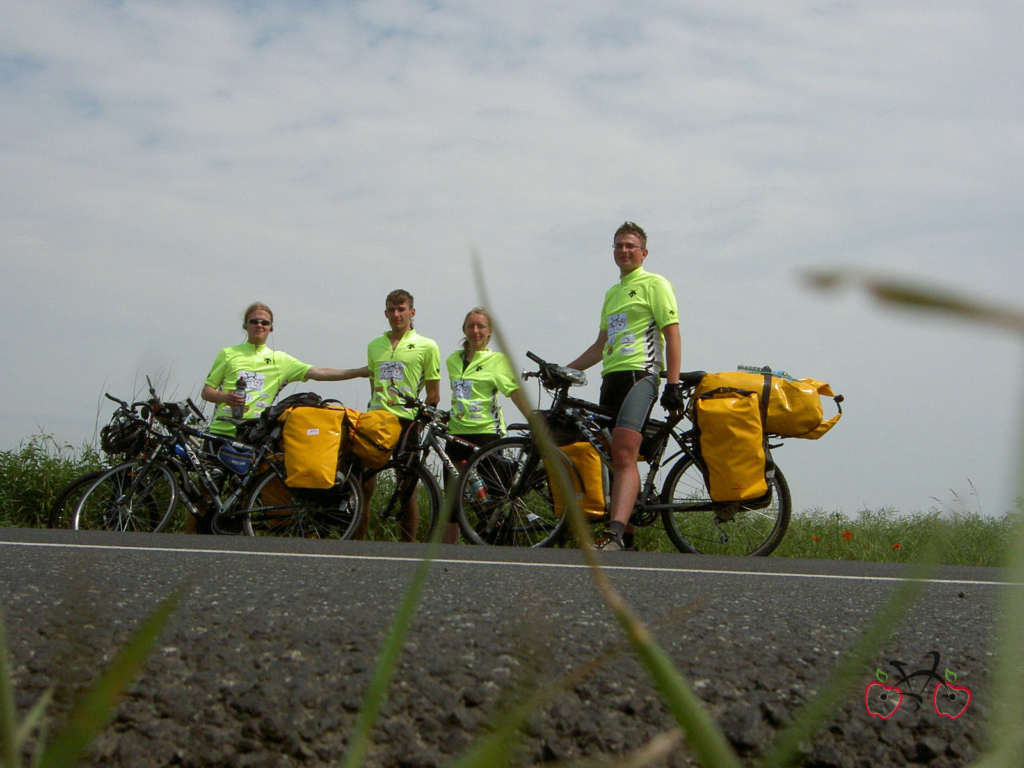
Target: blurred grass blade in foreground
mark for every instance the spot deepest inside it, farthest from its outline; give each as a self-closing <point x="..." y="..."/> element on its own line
<point x="850" y="670"/>
<point x="1005" y="737"/>
<point x="910" y="294"/>
<point x="703" y="735"/>
<point x="95" y="707"/>
<point x="13" y="735"/>
<point x="387" y="660"/>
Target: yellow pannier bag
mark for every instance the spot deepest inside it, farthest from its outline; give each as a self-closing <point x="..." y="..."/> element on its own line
<point x="372" y="435"/>
<point x="311" y="438"/>
<point x="794" y="405"/>
<point x="588" y="480"/>
<point x="732" y="444"/>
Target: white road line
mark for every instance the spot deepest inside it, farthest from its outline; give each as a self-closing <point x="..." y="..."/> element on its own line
<point x="518" y="564"/>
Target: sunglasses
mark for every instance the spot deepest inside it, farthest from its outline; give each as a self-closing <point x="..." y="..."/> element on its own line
<point x="257" y="321"/>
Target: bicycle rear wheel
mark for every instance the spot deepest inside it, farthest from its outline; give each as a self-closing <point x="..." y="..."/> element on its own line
<point x="391" y="489"/>
<point x="737" y="529"/>
<point x="513" y="504"/>
<point x="136" y="496"/>
<point x="274" y="509"/>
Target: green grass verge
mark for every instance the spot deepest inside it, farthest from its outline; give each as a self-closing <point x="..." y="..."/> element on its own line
<point x="34" y="474"/>
<point x="885" y="536"/>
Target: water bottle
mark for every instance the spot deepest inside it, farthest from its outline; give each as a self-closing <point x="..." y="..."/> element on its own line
<point x="237" y="411"/>
<point x="476" y="487"/>
<point x="765" y="369"/>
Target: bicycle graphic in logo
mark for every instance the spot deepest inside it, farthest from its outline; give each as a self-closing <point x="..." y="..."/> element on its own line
<point x="882" y="700"/>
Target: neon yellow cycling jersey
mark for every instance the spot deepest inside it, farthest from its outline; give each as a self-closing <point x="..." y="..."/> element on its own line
<point x="407" y="366"/>
<point x="634" y="312"/>
<point x="265" y="371"/>
<point x="475" y="388"/>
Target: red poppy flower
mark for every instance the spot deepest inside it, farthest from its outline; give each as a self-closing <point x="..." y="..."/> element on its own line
<point x="847" y="534"/>
<point x="815" y="538"/>
<point x="896" y="545"/>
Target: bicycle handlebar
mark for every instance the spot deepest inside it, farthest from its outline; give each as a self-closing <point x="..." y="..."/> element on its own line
<point x="195" y="408"/>
<point x="408" y="401"/>
<point x="138" y="404"/>
<point x="553" y="375"/>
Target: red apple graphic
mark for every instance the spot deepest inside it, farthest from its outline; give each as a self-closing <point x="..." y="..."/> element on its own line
<point x="881" y="700"/>
<point x="950" y="700"/>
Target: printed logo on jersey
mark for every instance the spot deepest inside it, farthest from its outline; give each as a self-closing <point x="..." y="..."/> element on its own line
<point x="392" y="370"/>
<point x="253" y="381"/>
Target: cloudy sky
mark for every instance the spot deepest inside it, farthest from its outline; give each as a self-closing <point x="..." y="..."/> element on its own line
<point x="164" y="164"/>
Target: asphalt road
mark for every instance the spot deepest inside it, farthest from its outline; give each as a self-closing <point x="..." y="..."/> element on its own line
<point x="267" y="660"/>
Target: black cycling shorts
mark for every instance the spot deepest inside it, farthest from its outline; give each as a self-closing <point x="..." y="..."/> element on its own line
<point x="632" y="395"/>
<point x="460" y="453"/>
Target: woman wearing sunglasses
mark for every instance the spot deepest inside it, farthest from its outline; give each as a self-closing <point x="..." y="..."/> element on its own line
<point x="262" y="370"/>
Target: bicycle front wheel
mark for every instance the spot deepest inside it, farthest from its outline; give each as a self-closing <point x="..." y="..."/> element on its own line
<point x="396" y="490"/>
<point x="274" y="509"/>
<point x="137" y="496"/>
<point x="739" y="528"/>
<point x="504" y="497"/>
<point x="62" y="511"/>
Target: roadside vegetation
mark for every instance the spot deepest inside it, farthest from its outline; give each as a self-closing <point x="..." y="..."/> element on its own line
<point x="32" y="476"/>
<point x="884" y="535"/>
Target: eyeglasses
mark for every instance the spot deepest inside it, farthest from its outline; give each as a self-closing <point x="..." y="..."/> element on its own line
<point x="257" y="321"/>
<point x="626" y="247"/>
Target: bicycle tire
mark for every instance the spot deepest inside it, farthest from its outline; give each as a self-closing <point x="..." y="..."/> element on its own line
<point x="63" y="508"/>
<point x="134" y="496"/>
<point x="515" y="511"/>
<point x="387" y="501"/>
<point x="740" y="530"/>
<point x="274" y="509"/>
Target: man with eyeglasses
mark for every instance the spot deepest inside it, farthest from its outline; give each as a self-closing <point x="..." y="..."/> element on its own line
<point x="637" y="339"/>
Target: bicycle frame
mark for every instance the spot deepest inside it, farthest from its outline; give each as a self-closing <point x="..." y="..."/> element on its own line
<point x="432" y="435"/>
<point x="585" y="416"/>
<point x="178" y="450"/>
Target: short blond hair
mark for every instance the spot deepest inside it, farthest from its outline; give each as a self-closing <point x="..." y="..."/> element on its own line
<point x="253" y="307"/>
<point x="632" y="228"/>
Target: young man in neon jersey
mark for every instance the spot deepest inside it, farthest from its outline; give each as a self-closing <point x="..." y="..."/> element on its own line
<point x="404" y="359"/>
<point x="637" y="339"/>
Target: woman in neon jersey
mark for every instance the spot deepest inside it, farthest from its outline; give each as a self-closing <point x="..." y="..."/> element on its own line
<point x="477" y="375"/>
<point x="263" y="369"/>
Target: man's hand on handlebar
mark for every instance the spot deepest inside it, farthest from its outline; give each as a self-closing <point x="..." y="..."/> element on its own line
<point x="672" y="398"/>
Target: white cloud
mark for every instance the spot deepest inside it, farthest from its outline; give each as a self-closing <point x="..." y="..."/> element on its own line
<point x="163" y="165"/>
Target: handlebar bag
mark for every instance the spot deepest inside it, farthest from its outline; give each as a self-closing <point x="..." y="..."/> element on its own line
<point x="563" y="430"/>
<point x="793" y="405"/>
<point x="732" y="443"/>
<point x="372" y="435"/>
<point x="312" y="440"/>
<point x="587" y="479"/>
